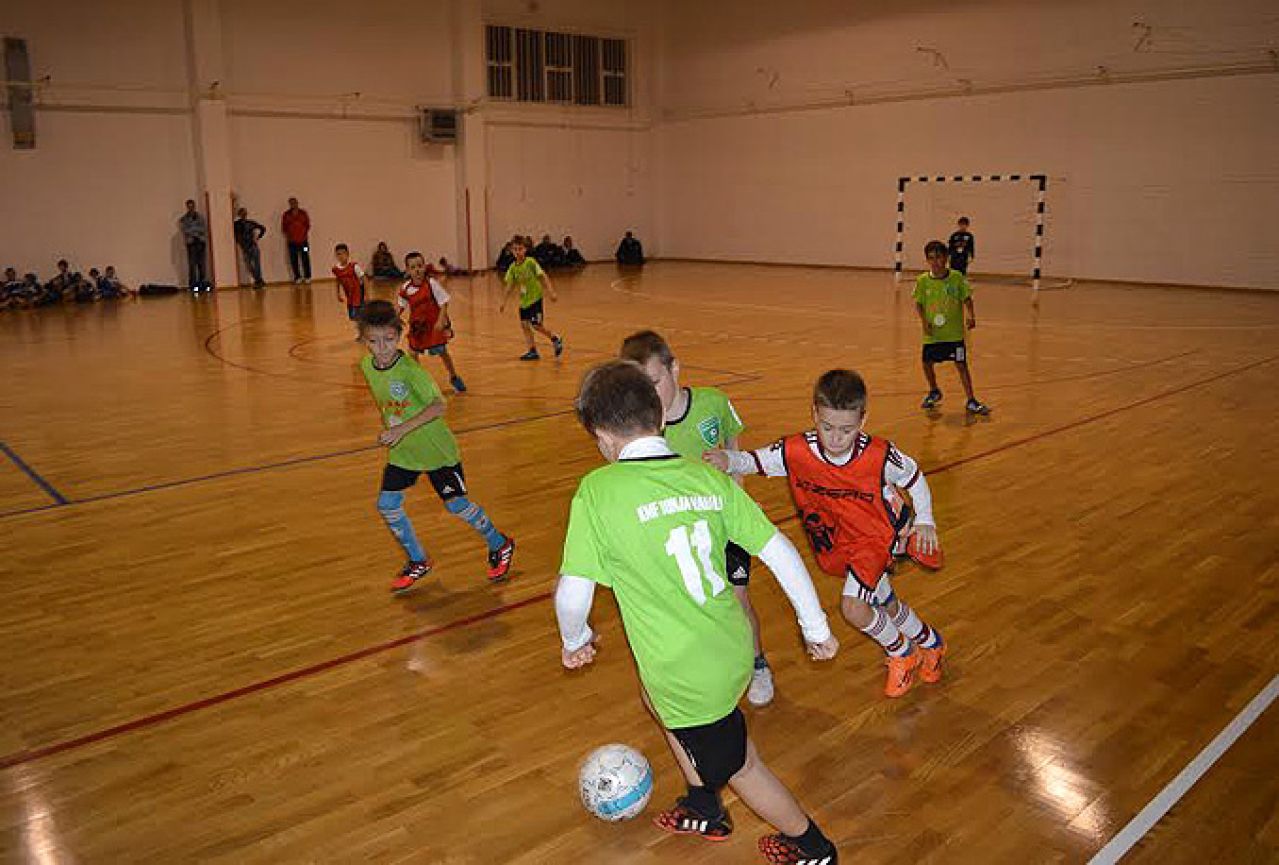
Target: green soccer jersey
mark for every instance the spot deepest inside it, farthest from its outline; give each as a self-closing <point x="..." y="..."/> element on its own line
<point x="943" y="303"/>
<point x="708" y="422"/>
<point x="528" y="273"/>
<point x="401" y="392"/>
<point x="653" y="530"/>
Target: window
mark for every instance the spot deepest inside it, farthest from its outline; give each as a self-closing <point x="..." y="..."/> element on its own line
<point x="500" y="54"/>
<point x="566" y="68"/>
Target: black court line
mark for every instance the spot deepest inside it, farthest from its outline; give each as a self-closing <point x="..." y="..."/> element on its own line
<point x="49" y="488"/>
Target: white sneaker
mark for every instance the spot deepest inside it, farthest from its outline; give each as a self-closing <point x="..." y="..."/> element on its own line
<point x="760" y="693"/>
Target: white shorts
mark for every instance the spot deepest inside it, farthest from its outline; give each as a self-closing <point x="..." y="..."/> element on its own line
<point x="877" y="597"/>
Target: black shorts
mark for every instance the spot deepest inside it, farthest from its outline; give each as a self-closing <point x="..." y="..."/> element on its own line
<point x="737" y="564"/>
<point x="532" y="313"/>
<point x="940" y="352"/>
<point x="449" y="482"/>
<point x="960" y="264"/>
<point x="716" y="750"/>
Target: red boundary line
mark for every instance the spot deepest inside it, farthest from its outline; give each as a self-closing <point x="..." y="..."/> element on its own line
<point x="17" y="759"/>
<point x="20" y="757"/>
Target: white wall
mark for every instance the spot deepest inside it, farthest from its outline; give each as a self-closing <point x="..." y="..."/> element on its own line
<point x="294" y="69"/>
<point x="588" y="173"/>
<point x="114" y="149"/>
<point x="593" y="184"/>
<point x="740" y="143"/>
<point x="762" y="157"/>
<point x="360" y="182"/>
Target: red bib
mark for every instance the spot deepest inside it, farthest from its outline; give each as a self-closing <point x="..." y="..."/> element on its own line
<point x="424" y="312"/>
<point x="350" y="283"/>
<point x="842" y="508"/>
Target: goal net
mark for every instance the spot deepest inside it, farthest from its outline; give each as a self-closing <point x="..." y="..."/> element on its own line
<point x="1009" y="219"/>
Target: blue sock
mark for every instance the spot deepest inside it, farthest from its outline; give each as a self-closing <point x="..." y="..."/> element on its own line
<point x="391" y="506"/>
<point x="473" y="515"/>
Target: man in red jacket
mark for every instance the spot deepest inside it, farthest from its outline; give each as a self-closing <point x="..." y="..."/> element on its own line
<point x="296" y="225"/>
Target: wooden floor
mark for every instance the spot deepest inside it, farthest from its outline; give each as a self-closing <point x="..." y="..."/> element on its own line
<point x="201" y="661"/>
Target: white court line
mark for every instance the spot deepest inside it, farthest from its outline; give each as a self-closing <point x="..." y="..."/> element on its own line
<point x="1177" y="787"/>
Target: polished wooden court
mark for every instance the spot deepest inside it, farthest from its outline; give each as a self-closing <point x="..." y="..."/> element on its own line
<point x="201" y="661"/>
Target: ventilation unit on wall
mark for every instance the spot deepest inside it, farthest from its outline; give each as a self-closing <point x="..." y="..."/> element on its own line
<point x="439" y="125"/>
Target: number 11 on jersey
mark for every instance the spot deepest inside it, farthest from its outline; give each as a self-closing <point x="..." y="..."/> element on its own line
<point x="678" y="545"/>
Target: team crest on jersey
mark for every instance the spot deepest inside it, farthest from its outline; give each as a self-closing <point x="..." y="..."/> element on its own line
<point x="398" y="389"/>
<point x="709" y="428"/>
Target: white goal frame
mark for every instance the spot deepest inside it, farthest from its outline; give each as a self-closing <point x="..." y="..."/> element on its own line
<point x="1041" y="189"/>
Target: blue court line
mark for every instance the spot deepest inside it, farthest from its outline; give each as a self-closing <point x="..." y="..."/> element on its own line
<point x="60" y="500"/>
<point x="63" y="501"/>
<point x="57" y="497"/>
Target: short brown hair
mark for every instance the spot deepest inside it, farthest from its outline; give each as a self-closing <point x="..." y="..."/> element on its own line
<point x="618" y="398"/>
<point x="380" y="313"/>
<point x="646" y="344"/>
<point x="935" y="246"/>
<point x="840" y="389"/>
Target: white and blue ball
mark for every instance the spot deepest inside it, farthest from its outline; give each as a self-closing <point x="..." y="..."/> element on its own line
<point x="616" y="782"/>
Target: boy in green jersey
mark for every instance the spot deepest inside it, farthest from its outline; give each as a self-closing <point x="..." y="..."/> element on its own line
<point x="650" y="526"/>
<point x="420" y="442"/>
<point x="941" y="297"/>
<point x="699" y="419"/>
<point x="526" y="274"/>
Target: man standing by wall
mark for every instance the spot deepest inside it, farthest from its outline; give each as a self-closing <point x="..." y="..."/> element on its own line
<point x="195" y="234"/>
<point x="247" y="234"/>
<point x="296" y="225"/>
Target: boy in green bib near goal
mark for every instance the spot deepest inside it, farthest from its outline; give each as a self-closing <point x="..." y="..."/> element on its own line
<point x="942" y="297"/>
<point x="652" y="527"/>
<point x="700" y="419"/>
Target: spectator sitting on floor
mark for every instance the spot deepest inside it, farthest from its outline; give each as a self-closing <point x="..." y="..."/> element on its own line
<point x="506" y="258"/>
<point x="572" y="258"/>
<point x="547" y="253"/>
<point x="383" y="263"/>
<point x="109" y="285"/>
<point x="630" y="251"/>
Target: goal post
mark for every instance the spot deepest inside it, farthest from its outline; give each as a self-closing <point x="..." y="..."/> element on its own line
<point x="1040" y="182"/>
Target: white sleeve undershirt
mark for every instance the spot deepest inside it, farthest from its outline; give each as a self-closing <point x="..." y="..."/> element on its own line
<point x="781" y="557"/>
<point x="902" y="471"/>
<point x="573" y="597"/>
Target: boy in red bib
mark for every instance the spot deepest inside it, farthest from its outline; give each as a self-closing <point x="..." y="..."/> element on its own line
<point x="429" y="326"/>
<point x="845" y="483"/>
<point x="351" y="284"/>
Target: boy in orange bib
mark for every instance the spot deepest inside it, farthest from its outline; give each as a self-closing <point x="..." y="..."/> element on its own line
<point x="845" y="483"/>
<point x="351" y="284"/>
<point x="429" y="326"/>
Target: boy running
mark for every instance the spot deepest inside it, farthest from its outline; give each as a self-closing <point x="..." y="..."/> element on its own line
<point x="429" y="326"/>
<point x="352" y="287"/>
<point x="420" y="443"/>
<point x="528" y="275"/>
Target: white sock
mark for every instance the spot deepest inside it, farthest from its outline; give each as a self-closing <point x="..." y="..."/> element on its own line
<point x="882" y="630"/>
<point x="909" y="623"/>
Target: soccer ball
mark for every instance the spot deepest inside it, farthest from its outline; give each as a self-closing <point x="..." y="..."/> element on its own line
<point x="616" y="782"/>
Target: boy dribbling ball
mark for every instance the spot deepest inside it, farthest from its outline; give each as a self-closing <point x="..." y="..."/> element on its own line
<point x="652" y="527"/>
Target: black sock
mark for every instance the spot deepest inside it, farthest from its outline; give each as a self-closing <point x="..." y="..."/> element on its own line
<point x="813" y="842"/>
<point x="704" y="801"/>
<point x="761" y="663"/>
